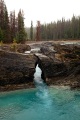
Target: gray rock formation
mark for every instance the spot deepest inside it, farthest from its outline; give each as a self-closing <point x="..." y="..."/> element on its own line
<point x="21" y="48"/>
<point x="61" y="67"/>
<point x="16" y="68"/>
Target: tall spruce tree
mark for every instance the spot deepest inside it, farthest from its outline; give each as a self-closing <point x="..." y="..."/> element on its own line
<point x="31" y="31"/>
<point x="6" y="27"/>
<point x="2" y="20"/>
<point x="21" y="30"/>
<point x="13" y="25"/>
<point x="2" y="5"/>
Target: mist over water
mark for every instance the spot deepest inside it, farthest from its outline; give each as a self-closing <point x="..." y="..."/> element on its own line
<point x="42" y="103"/>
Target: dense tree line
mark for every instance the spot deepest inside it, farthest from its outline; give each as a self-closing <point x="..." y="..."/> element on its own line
<point x="11" y="26"/>
<point x="34" y="32"/>
<point x="62" y="29"/>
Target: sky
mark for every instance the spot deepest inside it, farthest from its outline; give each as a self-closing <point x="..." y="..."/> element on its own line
<point x="45" y="11"/>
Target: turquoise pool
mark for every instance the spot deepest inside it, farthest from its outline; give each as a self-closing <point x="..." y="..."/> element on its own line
<point x="56" y="103"/>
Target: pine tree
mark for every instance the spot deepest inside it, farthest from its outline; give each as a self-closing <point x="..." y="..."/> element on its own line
<point x="31" y="31"/>
<point x="4" y="22"/>
<point x="6" y="27"/>
<point x="13" y="25"/>
<point x="21" y="30"/>
<point x="38" y="34"/>
<point x="2" y="5"/>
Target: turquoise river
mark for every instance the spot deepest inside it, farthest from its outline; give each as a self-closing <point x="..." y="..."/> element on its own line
<point x="40" y="103"/>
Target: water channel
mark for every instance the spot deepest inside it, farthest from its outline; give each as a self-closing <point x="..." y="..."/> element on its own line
<point x="40" y="103"/>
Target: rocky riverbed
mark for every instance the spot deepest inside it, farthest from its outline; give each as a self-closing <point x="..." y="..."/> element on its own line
<point x="59" y="62"/>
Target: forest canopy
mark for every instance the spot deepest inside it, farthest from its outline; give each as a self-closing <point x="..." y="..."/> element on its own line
<point x="11" y="26"/>
<point x="62" y="29"/>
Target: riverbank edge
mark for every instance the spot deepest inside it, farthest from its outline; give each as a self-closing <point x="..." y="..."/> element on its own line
<point x="14" y="87"/>
<point x="9" y="88"/>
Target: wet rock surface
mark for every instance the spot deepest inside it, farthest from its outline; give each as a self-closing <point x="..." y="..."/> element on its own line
<point x="21" y="48"/>
<point x="51" y="68"/>
<point x="16" y="68"/>
<point x="60" y="64"/>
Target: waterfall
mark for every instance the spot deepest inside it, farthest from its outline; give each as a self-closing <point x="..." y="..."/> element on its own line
<point x="42" y="89"/>
<point x="39" y="83"/>
<point x="37" y="76"/>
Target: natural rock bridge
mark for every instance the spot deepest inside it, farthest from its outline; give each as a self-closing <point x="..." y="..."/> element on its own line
<point x="17" y="69"/>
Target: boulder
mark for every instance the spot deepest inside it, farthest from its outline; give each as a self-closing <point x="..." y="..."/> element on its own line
<point x="55" y="72"/>
<point x="67" y="52"/>
<point x="51" y="68"/>
<point x="60" y="64"/>
<point x="16" y="68"/>
<point x="48" y="51"/>
<point x="21" y="48"/>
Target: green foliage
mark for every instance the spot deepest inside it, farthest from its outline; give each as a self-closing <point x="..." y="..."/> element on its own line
<point x="1" y="43"/>
<point x="1" y="35"/>
<point x="21" y="34"/>
<point x="10" y="26"/>
<point x="14" y="41"/>
<point x="13" y="26"/>
<point x="6" y="27"/>
<point x="14" y="45"/>
<point x="31" y="31"/>
<point x="62" y="29"/>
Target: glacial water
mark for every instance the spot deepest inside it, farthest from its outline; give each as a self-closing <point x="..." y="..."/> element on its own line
<point x="40" y="103"/>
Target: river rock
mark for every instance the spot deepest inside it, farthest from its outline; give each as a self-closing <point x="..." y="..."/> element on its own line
<point x="51" y="68"/>
<point x="16" y="68"/>
<point x="21" y="48"/>
<point x="60" y="63"/>
<point x="67" y="52"/>
<point x="48" y="51"/>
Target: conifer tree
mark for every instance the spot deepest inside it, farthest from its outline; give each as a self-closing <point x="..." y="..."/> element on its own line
<point x="13" y="25"/>
<point x="2" y="5"/>
<point x="31" y="31"/>
<point x="6" y="27"/>
<point x="21" y="30"/>
<point x="2" y="20"/>
<point x="38" y="32"/>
